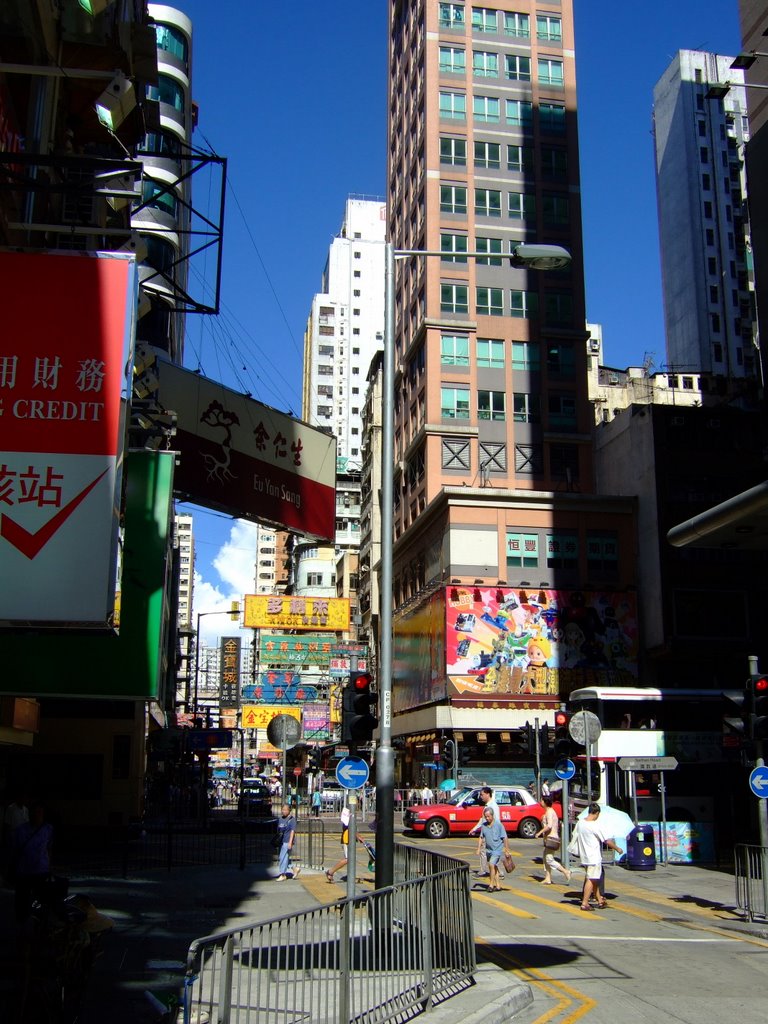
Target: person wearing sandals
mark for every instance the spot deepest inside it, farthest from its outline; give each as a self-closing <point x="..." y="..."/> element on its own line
<point x="550" y="831"/>
<point x="494" y="835"/>
<point x="590" y="838"/>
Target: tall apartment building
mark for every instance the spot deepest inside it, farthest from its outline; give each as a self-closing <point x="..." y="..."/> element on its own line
<point x="345" y="328"/>
<point x="493" y="493"/>
<point x="707" y="275"/>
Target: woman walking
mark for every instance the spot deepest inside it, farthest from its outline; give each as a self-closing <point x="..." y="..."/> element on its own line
<point x="550" y="830"/>
<point x="494" y="835"/>
<point x="286" y="828"/>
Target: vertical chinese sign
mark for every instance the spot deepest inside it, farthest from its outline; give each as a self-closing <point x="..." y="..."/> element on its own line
<point x="229" y="672"/>
<point x="67" y="329"/>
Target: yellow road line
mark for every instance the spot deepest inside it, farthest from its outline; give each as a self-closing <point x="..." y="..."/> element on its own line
<point x="481" y="897"/>
<point x="565" y="994"/>
<point x="671" y="903"/>
<point x="568" y="907"/>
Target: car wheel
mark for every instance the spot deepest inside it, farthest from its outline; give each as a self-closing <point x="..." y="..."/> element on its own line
<point x="436" y="828"/>
<point x="528" y="828"/>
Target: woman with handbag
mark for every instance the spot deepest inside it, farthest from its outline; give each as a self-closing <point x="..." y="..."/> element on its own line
<point x="494" y="835"/>
<point x="550" y="830"/>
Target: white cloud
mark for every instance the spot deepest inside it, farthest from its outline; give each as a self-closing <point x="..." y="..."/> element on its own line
<point x="234" y="565"/>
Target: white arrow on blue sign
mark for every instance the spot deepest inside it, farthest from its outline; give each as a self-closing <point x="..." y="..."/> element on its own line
<point x="352" y="772"/>
<point x="758" y="781"/>
<point x="565" y="769"/>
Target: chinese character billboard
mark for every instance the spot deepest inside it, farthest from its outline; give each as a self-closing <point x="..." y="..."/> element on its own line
<point x="248" y="459"/>
<point x="283" y="649"/>
<point x="310" y="613"/>
<point x="64" y="347"/>
<point x="229" y="672"/>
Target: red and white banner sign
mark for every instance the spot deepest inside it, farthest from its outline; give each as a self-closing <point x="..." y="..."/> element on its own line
<point x="248" y="459"/>
<point x="64" y="347"/>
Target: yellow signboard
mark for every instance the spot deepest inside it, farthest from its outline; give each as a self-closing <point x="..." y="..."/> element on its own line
<point x="310" y="613"/>
<point x="258" y="716"/>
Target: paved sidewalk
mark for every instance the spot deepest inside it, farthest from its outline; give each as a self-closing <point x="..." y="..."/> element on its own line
<point x="157" y="915"/>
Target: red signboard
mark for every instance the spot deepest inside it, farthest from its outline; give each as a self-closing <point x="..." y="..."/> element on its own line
<point x="64" y="347"/>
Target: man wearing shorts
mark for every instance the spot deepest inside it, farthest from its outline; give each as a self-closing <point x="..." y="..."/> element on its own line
<point x="590" y="838"/>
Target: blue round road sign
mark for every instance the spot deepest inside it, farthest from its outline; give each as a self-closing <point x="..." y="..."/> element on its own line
<point x="565" y="769"/>
<point x="352" y="772"/>
<point x="758" y="781"/>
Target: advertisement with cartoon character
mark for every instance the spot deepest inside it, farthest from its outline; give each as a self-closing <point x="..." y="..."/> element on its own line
<point x="505" y="642"/>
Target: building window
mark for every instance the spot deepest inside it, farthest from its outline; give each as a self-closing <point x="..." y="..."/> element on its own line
<point x="171" y="40"/>
<point x="484" y="64"/>
<point x="453" y="106"/>
<point x="454" y="298"/>
<point x="564" y="462"/>
<point x="517" y="24"/>
<point x="561" y="359"/>
<point x="452" y="60"/>
<point x="453" y="199"/>
<point x="488" y="154"/>
<point x="491" y="405"/>
<point x="490" y="353"/>
<point x="489" y="245"/>
<point x="452" y="246"/>
<point x="454" y="403"/>
<point x="487" y="202"/>
<point x="524" y="305"/>
<point x="454" y="350"/>
<point x="602" y="554"/>
<point x="549" y="28"/>
<point x="453" y="151"/>
<point x="550" y="72"/>
<point x="554" y="163"/>
<point x="522" y="205"/>
<point x="490" y="301"/>
<point x="315" y="579"/>
<point x="526" y="355"/>
<point x="552" y="118"/>
<point x="486" y="109"/>
<point x="522" y="550"/>
<point x="520" y="114"/>
<point x="484" y="19"/>
<point x="558" y="308"/>
<point x="455" y="454"/>
<point x="525" y="408"/>
<point x="562" y="550"/>
<point x="518" y="69"/>
<point x="323" y="370"/>
<point x="451" y="15"/>
<point x="562" y="412"/>
<point x="519" y="158"/>
<point x="554" y="209"/>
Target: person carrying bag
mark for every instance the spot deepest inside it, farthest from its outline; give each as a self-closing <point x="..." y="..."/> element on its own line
<point x="550" y="831"/>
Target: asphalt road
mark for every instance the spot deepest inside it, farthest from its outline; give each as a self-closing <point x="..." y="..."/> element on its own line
<point x="644" y="959"/>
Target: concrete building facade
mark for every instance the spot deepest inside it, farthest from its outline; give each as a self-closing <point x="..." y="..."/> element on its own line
<point x="704" y="228"/>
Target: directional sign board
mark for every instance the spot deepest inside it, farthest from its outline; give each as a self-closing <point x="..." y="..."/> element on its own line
<point x="758" y="781"/>
<point x="565" y="769"/>
<point x="648" y="764"/>
<point x="352" y="772"/>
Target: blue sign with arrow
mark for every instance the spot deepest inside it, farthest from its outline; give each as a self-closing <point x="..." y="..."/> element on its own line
<point x="565" y="769"/>
<point x="352" y="772"/>
<point x="758" y="781"/>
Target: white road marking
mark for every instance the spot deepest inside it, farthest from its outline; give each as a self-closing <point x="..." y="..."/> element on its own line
<point x="534" y="939"/>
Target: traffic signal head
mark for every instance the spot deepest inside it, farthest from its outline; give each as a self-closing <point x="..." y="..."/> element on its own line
<point x="357" y="722"/>
<point x="758" y="706"/>
<point x="449" y="755"/>
<point x="562" y="745"/>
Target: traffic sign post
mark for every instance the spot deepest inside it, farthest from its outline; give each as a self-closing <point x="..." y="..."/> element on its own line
<point x="651" y="764"/>
<point x="352" y="772"/>
<point x="565" y="769"/>
<point x="758" y="781"/>
<point x="585" y="728"/>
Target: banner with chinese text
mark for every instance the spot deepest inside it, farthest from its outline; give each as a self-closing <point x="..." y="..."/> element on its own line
<point x="68" y="324"/>
<point x="310" y="613"/>
<point x="229" y="672"/>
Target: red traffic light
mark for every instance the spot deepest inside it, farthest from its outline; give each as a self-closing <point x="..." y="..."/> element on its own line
<point x="361" y="680"/>
<point x="561" y="719"/>
<point x="761" y="684"/>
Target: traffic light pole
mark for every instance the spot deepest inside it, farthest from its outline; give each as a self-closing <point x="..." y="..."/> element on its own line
<point x="762" y="803"/>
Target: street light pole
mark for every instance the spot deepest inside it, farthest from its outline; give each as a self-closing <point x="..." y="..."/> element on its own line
<point x="535" y="257"/>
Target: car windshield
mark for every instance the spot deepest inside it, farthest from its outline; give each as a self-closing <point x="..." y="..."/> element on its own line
<point x="457" y="798"/>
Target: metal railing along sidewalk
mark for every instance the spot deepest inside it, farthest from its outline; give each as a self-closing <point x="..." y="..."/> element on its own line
<point x="390" y="954"/>
<point x="751" y="863"/>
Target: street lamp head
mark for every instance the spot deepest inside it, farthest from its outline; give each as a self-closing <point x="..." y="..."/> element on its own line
<point x="540" y="257"/>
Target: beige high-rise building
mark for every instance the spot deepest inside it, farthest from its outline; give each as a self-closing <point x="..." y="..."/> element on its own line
<point x="493" y="487"/>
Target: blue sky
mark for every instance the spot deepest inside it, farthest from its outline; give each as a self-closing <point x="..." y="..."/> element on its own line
<point x="294" y="96"/>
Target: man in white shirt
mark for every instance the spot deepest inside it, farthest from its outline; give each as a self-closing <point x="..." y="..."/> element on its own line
<point x="590" y="838"/>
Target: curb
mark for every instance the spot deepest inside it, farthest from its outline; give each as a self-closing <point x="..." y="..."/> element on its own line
<point x="510" y="996"/>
